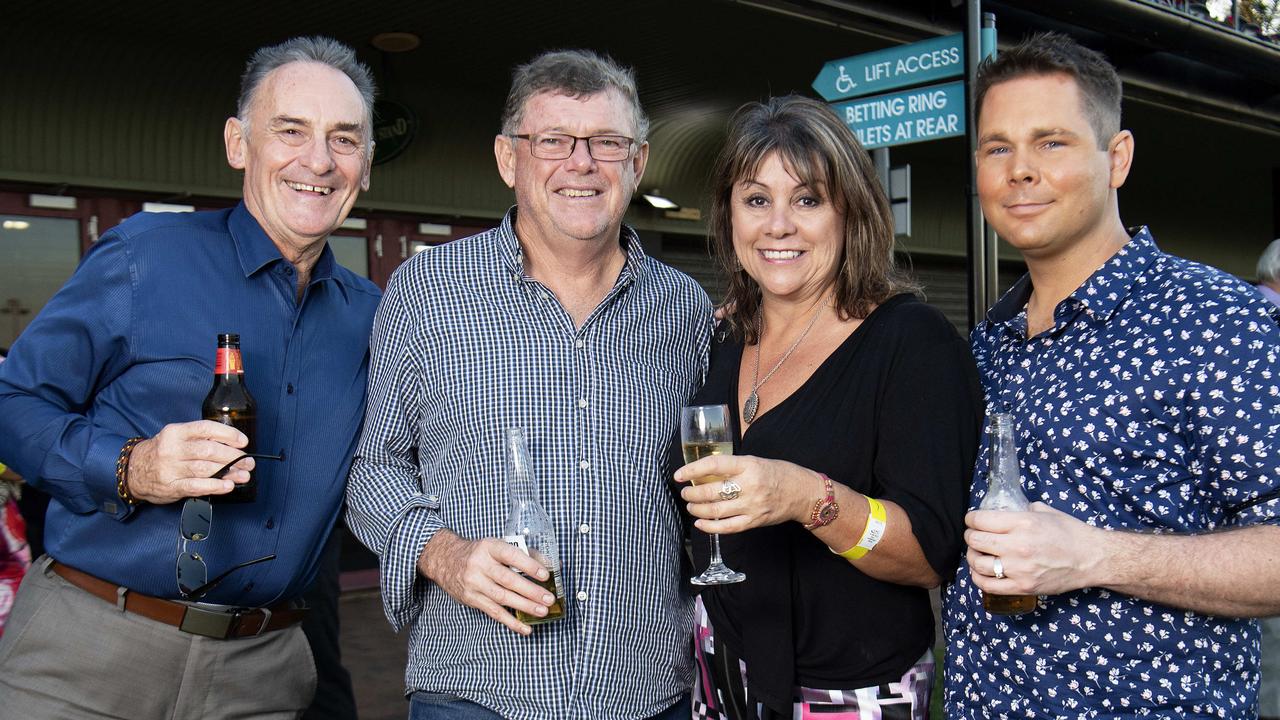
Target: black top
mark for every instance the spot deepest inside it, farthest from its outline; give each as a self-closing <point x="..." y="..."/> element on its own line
<point x="893" y="413"/>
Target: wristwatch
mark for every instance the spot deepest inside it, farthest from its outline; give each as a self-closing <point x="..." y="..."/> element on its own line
<point x="826" y="509"/>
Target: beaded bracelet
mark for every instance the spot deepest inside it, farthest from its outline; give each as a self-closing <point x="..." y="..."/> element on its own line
<point x="122" y="471"/>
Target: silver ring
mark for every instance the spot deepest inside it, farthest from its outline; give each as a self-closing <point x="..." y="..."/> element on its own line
<point x="730" y="491"/>
<point x="999" y="568"/>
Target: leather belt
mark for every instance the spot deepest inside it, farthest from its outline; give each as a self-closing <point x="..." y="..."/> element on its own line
<point x="218" y="624"/>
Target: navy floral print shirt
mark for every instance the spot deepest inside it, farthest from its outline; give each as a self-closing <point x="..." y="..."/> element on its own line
<point x="1151" y="405"/>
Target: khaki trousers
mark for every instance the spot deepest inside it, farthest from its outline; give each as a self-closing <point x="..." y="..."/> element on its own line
<point x="67" y="655"/>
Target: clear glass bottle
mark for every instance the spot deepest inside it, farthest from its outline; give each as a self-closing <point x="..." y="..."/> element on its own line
<point x="1004" y="492"/>
<point x="529" y="528"/>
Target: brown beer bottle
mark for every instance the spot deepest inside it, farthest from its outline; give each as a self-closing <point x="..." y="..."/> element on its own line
<point x="1004" y="492"/>
<point x="230" y="403"/>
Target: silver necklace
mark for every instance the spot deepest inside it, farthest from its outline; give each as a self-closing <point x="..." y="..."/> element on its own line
<point x="753" y="400"/>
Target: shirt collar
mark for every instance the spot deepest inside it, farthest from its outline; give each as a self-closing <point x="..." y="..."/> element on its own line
<point x="1099" y="295"/>
<point x="256" y="250"/>
<point x="1269" y="294"/>
<point x="512" y="256"/>
<point x="1103" y="292"/>
<point x="325" y="270"/>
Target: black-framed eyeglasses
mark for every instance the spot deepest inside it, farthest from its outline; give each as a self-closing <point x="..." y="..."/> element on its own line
<point x="560" y="146"/>
<point x="194" y="527"/>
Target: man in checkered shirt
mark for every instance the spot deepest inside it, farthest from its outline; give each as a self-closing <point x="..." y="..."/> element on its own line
<point x="558" y="323"/>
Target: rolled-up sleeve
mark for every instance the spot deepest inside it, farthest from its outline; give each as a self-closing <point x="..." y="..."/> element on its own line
<point x="78" y="344"/>
<point x="386" y="506"/>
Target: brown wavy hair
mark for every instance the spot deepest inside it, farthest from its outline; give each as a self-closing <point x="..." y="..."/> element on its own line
<point x="821" y="152"/>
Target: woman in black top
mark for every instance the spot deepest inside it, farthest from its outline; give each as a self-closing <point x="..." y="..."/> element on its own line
<point x="859" y="411"/>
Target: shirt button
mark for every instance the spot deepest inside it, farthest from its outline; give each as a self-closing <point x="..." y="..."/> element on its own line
<point x="584" y="528"/>
<point x="582" y="596"/>
<point x="579" y="344"/>
<point x="288" y="270"/>
<point x="582" y="402"/>
<point x="583" y="464"/>
<point x="289" y="388"/>
<point x="271" y="522"/>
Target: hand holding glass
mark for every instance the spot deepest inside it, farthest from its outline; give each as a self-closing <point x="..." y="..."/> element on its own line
<point x="705" y="430"/>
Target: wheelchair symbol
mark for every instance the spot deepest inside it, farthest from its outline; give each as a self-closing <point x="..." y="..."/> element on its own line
<point x="844" y="83"/>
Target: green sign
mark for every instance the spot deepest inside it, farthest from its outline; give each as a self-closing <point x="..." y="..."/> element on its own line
<point x="928" y="113"/>
<point x="394" y="127"/>
<point x="920" y="62"/>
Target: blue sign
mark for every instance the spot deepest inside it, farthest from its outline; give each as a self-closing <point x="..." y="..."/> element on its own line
<point x="925" y="61"/>
<point x="927" y="113"/>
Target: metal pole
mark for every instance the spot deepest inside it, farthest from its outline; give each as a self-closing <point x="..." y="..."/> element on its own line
<point x="991" y="255"/>
<point x="880" y="156"/>
<point x="978" y="297"/>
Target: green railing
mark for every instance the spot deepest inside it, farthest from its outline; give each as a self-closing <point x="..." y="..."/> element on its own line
<point x="1235" y="21"/>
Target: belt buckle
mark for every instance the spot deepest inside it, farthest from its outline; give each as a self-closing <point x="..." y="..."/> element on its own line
<point x="266" y="618"/>
<point x="216" y="625"/>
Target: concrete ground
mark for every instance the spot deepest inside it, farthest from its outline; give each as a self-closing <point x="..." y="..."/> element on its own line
<point x="373" y="655"/>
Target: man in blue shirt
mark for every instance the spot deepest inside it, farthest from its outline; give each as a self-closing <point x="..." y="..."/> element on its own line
<point x="99" y="403"/>
<point x="1145" y="395"/>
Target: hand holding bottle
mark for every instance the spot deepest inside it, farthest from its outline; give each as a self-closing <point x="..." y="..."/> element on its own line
<point x="478" y="573"/>
<point x="520" y="572"/>
<point x="1041" y="552"/>
<point x="177" y="462"/>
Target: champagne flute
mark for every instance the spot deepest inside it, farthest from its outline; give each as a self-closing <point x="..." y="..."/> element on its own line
<point x="705" y="430"/>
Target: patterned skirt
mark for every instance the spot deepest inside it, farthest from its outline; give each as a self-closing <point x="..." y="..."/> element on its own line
<point x="722" y="690"/>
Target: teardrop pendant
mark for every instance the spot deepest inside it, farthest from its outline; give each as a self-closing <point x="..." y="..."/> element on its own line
<point x="749" y="408"/>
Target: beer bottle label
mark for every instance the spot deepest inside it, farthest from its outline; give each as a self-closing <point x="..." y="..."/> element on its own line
<point x="228" y="362"/>
<point x="550" y="562"/>
<point x="516" y="541"/>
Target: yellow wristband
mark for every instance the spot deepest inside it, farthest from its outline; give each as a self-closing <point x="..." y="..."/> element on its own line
<point x="871" y="534"/>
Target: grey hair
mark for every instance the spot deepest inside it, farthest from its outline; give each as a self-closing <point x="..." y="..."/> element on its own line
<point x="576" y="73"/>
<point x="1269" y="263"/>
<point x="317" y="49"/>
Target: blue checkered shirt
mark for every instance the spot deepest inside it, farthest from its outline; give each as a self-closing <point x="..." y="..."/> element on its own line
<point x="466" y="345"/>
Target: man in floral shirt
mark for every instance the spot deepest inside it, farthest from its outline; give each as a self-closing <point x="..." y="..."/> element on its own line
<point x="1146" y="396"/>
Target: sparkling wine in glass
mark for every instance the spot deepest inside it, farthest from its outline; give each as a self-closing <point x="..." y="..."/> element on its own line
<point x="705" y="430"/>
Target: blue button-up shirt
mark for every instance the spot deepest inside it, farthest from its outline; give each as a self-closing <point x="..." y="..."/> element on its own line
<point x="128" y="345"/>
<point x="465" y="346"/>
<point x="1151" y="405"/>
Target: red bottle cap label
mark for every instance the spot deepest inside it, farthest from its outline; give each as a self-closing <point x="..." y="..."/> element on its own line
<point x="228" y="362"/>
